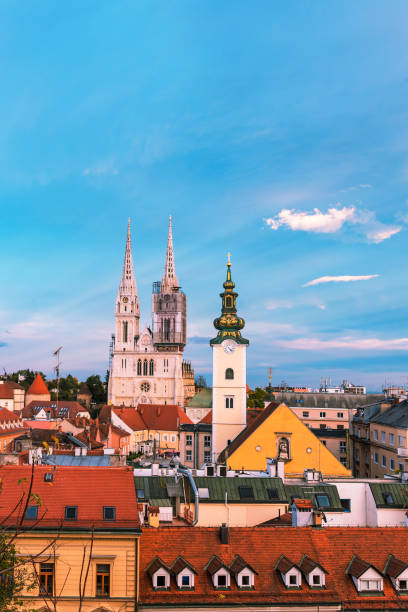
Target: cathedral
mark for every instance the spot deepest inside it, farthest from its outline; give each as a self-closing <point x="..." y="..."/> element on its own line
<point x="147" y="366"/>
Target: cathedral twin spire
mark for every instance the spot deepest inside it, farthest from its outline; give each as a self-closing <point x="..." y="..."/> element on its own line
<point x="169" y="280"/>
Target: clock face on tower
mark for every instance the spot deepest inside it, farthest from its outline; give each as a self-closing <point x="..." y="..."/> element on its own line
<point x="125" y="299"/>
<point x="229" y="346"/>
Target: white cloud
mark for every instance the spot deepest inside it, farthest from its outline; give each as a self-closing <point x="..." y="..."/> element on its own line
<point x="338" y="279"/>
<point x="101" y="169"/>
<point x="316" y="221"/>
<point x="347" y="342"/>
<point x="379" y="234"/>
<point x="355" y="187"/>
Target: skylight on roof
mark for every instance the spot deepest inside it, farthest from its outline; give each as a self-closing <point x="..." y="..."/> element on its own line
<point x="322" y="500"/>
<point x="246" y="492"/>
<point x="273" y="493"/>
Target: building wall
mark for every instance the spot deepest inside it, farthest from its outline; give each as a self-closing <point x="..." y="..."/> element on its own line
<point x="119" y="551"/>
<point x="228" y="422"/>
<point x="373" y="456"/>
<point x="324" y="417"/>
<point x="234" y="515"/>
<point x="306" y="451"/>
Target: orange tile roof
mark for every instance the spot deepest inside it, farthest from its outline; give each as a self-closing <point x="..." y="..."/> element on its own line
<point x="303" y="503"/>
<point x="6" y="392"/>
<point x="90" y="489"/>
<point x="38" y="386"/>
<point x="261" y="547"/>
<point x="164" y="417"/>
<point x="131" y="417"/>
<point x="6" y="416"/>
<point x="62" y="409"/>
<point x="207" y="420"/>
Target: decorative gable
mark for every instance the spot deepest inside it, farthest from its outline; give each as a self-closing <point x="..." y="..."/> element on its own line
<point x="366" y="578"/>
<point x="184" y="573"/>
<point x="244" y="574"/>
<point x="219" y="572"/>
<point x="313" y="572"/>
<point x="159" y="573"/>
<point x="397" y="571"/>
<point x="290" y="573"/>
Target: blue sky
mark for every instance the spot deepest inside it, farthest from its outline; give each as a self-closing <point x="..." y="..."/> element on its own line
<point x="275" y="130"/>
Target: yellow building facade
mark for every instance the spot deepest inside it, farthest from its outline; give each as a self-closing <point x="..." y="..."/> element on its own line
<point x="278" y="433"/>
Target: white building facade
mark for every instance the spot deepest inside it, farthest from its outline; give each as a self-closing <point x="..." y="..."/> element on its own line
<point x="146" y="366"/>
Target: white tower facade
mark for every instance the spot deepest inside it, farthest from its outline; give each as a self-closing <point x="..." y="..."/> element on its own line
<point x="146" y="367"/>
<point x="229" y="372"/>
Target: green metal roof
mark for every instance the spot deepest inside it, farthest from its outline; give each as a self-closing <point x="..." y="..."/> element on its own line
<point x="202" y="399"/>
<point x="306" y="491"/>
<point x="261" y="490"/>
<point x="398" y="491"/>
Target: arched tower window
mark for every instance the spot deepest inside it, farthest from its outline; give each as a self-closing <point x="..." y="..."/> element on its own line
<point x="228" y="302"/>
<point x="139" y="367"/>
<point x="125" y="331"/>
<point x="229" y="374"/>
<point x="145" y="367"/>
<point x="167" y="329"/>
<point x="151" y="368"/>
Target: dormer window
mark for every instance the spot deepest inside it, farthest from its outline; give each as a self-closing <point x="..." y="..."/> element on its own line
<point x="71" y="513"/>
<point x="367" y="579"/>
<point x="314" y="573"/>
<point x="31" y="513"/>
<point x="183" y="573"/>
<point x="397" y="571"/>
<point x="159" y="573"/>
<point x="243" y="572"/>
<point x="289" y="572"/>
<point x="220" y="573"/>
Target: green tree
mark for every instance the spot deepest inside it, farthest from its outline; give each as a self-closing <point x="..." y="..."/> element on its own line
<point x="68" y="388"/>
<point x="200" y="381"/>
<point x="257" y="398"/>
<point x="97" y="388"/>
<point x="15" y="575"/>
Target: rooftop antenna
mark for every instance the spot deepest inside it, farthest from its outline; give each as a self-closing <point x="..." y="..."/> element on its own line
<point x="270" y="376"/>
<point x="57" y="369"/>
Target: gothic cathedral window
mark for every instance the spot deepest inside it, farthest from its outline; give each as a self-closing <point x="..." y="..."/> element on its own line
<point x="151" y="368"/>
<point x="139" y="367"/>
<point x="145" y="367"/>
<point x="125" y="331"/>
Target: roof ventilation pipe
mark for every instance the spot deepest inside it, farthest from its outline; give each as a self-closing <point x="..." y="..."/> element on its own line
<point x="186" y="472"/>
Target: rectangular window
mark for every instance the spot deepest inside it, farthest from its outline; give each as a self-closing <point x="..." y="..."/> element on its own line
<point x="229" y="402"/>
<point x="383" y="436"/>
<point x="305" y="414"/>
<point x="383" y="461"/>
<point x="31" y="512"/>
<point x="207" y="440"/>
<point x="189" y="440"/>
<point x="402" y="585"/>
<point x="375" y="434"/>
<point x="173" y="438"/>
<point x="322" y="500"/>
<point x="401" y="467"/>
<point x="370" y="585"/>
<point x="160" y="581"/>
<point x="375" y="457"/>
<point x="293" y="579"/>
<point x="246" y="492"/>
<point x="245" y="580"/>
<point x="46" y="578"/>
<point x="391" y="439"/>
<point x="222" y="580"/>
<point x="207" y="456"/>
<point x="392" y="464"/>
<point x="185" y="581"/>
<point x="189" y="455"/>
<point x="316" y="580"/>
<point x="400" y="441"/>
<point x="165" y="437"/>
<point x="343" y="446"/>
<point x="340" y="415"/>
<point x="273" y="493"/>
<point x="71" y="513"/>
<point x="140" y="493"/>
<point x="343" y="461"/>
<point x="322" y="416"/>
<point x="340" y="426"/>
<point x="346" y="503"/>
<point x="103" y="580"/>
<point x="109" y="513"/>
<point x="322" y="426"/>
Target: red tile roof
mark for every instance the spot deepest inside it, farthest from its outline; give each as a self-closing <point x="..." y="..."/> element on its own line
<point x="131" y="417"/>
<point x="164" y="417"/>
<point x="90" y="489"/>
<point x="261" y="547"/>
<point x="38" y="386"/>
<point x="6" y="392"/>
<point x="303" y="503"/>
<point x="60" y="409"/>
<point x="6" y="416"/>
<point x="207" y="420"/>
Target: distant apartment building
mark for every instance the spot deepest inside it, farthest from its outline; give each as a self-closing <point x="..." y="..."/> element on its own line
<point x="379" y="436"/>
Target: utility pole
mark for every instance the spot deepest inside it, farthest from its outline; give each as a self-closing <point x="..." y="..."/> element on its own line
<point x="57" y="369"/>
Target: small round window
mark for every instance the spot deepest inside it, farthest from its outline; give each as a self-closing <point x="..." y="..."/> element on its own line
<point x="145" y="386"/>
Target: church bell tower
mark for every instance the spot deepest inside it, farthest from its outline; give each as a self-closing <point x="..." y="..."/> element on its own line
<point x="229" y="371"/>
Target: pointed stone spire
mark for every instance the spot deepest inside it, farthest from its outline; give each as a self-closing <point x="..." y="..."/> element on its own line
<point x="169" y="280"/>
<point x="128" y="287"/>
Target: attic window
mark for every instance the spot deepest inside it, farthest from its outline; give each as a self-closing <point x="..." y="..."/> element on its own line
<point x="246" y="492"/>
<point x="273" y="493"/>
<point x="140" y="493"/>
<point x="48" y="477"/>
<point x="31" y="512"/>
<point x="71" y="513"/>
<point x="388" y="498"/>
<point x="322" y="500"/>
<point x="109" y="513"/>
<point x="222" y="580"/>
